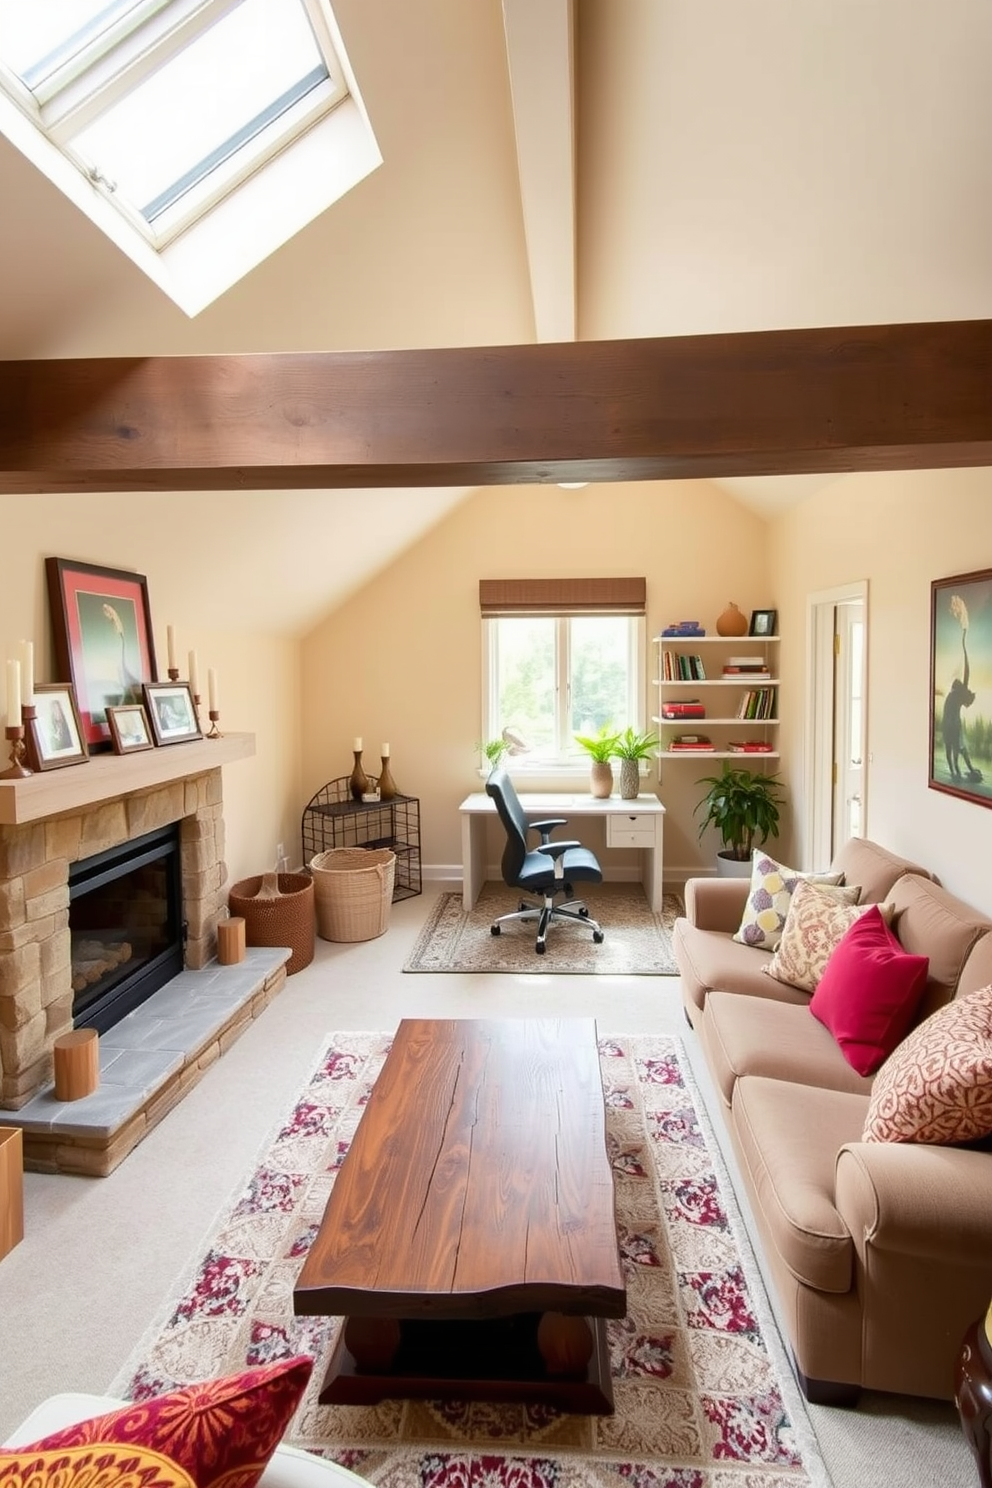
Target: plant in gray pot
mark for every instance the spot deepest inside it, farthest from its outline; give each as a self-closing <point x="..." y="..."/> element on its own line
<point x="744" y="806"/>
<point x="630" y="748"/>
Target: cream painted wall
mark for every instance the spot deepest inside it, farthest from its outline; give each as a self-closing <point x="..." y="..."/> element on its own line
<point x="400" y="660"/>
<point x="257" y="672"/>
<point x="899" y="531"/>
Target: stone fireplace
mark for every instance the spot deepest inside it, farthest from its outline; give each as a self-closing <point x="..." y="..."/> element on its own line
<point x="53" y="820"/>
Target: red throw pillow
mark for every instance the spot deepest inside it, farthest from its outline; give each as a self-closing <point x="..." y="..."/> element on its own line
<point x="99" y="1465"/>
<point x="869" y="991"/>
<point x="222" y="1431"/>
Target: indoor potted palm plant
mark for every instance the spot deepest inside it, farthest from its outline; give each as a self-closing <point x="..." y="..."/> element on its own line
<point x="600" y="748"/>
<point x="630" y="748"/>
<point x="744" y="807"/>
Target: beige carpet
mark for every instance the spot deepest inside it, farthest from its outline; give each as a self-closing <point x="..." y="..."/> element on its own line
<point x="704" y="1396"/>
<point x="637" y="941"/>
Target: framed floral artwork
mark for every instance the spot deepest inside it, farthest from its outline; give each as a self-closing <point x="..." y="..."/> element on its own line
<point x="102" y="634"/>
<point x="961" y="686"/>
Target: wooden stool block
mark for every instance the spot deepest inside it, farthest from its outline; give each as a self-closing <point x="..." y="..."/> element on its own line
<point x="11" y="1188"/>
<point x="231" y="940"/>
<point x="77" y="1064"/>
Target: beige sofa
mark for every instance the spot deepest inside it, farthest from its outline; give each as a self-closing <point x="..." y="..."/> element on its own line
<point x="880" y="1252"/>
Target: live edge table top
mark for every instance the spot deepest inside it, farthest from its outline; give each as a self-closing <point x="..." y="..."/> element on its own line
<point x="477" y="1184"/>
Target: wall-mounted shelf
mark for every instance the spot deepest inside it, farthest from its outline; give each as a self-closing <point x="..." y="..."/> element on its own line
<point x="724" y="698"/>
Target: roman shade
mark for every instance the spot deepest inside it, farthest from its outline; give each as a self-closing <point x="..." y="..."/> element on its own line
<point x="562" y="596"/>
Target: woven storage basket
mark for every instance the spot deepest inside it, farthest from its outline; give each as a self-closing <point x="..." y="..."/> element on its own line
<point x="286" y="921"/>
<point x="353" y="889"/>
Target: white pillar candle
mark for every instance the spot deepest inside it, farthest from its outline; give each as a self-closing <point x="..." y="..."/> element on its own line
<point x="212" y="691"/>
<point x="170" y="643"/>
<point x="13" y="694"/>
<point x="194" y="679"/>
<point x="27" y="674"/>
<point x="357" y="746"/>
<point x="385" y="751"/>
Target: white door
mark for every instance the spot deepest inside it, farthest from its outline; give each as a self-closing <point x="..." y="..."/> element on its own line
<point x="847" y="811"/>
<point x="837" y="649"/>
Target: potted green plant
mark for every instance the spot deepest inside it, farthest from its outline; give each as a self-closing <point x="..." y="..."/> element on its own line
<point x="493" y="751"/>
<point x="744" y="806"/>
<point x="630" y="748"/>
<point x="600" y="748"/>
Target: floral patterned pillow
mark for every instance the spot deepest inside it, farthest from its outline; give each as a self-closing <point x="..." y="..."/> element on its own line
<point x="769" y="897"/>
<point x="936" y="1086"/>
<point x="98" y="1465"/>
<point x="221" y="1431"/>
<point x="819" y="917"/>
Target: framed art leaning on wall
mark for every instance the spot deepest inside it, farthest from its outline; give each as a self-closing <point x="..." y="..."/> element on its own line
<point x="961" y="686"/>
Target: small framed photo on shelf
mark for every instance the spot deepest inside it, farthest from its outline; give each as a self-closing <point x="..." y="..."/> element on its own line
<point x="763" y="622"/>
<point x="55" y="734"/>
<point x="129" y="728"/>
<point x="171" y="712"/>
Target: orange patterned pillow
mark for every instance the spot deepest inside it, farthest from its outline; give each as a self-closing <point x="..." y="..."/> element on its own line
<point x="936" y="1086"/>
<point x="817" y="920"/>
<point x="222" y="1432"/>
<point x="97" y="1465"/>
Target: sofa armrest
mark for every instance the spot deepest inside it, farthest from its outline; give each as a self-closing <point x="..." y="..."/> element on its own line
<point x="917" y="1199"/>
<point x="716" y="903"/>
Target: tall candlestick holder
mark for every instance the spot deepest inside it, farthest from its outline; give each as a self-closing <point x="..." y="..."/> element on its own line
<point x="173" y="674"/>
<point x="14" y="734"/>
<point x="213" y="732"/>
<point x="196" y="706"/>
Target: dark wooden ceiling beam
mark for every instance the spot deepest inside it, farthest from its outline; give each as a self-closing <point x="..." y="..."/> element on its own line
<point x="755" y="403"/>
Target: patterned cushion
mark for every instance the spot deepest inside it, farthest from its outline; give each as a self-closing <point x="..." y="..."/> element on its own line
<point x="819" y="917"/>
<point x="869" y="991"/>
<point x="772" y="887"/>
<point x="97" y="1465"/>
<point x="222" y="1432"/>
<point x="937" y="1085"/>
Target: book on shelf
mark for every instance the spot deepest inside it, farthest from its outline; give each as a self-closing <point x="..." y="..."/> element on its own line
<point x="750" y="746"/>
<point x="684" y="628"/>
<point x="688" y="742"/>
<point x="688" y="709"/>
<point x="759" y="673"/>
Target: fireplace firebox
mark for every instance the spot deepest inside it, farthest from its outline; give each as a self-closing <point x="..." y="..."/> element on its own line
<point x="126" y="926"/>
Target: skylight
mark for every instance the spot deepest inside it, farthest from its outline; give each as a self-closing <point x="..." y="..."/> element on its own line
<point x="166" y="112"/>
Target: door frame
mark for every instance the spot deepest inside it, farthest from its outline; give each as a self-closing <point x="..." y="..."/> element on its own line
<point x="819" y="751"/>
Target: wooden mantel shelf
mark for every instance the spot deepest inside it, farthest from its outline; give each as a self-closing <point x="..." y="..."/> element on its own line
<point x="105" y="777"/>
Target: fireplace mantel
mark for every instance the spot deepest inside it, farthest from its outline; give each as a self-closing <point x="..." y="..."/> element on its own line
<point x="107" y="777"/>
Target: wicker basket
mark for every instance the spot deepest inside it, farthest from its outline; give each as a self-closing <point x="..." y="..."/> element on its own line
<point x="286" y="921"/>
<point x="353" y="889"/>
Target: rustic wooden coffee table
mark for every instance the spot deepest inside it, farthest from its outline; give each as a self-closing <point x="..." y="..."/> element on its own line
<point x="470" y="1238"/>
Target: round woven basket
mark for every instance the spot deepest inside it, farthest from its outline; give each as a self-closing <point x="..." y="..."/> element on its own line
<point x="353" y="892"/>
<point x="286" y="921"/>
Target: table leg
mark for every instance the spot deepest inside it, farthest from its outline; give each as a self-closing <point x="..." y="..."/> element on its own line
<point x="652" y="868"/>
<point x="473" y="857"/>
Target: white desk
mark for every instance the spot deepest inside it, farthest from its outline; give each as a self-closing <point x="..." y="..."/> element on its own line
<point x="639" y="823"/>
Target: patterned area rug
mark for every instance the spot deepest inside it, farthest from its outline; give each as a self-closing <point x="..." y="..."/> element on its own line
<point x="704" y="1398"/>
<point x="637" y="941"/>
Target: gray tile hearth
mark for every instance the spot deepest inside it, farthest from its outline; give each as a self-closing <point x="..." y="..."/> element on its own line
<point x="147" y="1062"/>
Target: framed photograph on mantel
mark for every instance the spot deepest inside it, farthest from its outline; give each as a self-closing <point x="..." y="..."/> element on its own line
<point x="171" y="712"/>
<point x="55" y="734"/>
<point x="102" y="631"/>
<point x="961" y="686"/>
<point x="129" y="728"/>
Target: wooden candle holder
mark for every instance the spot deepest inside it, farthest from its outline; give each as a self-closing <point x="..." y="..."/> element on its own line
<point x="17" y="769"/>
<point x="213" y="732"/>
<point x="77" y="1064"/>
<point x="231" y="941"/>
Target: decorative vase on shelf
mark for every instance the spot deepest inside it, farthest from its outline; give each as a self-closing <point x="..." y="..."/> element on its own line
<point x="387" y="785"/>
<point x="359" y="782"/>
<point x="601" y="780"/>
<point x="733" y="622"/>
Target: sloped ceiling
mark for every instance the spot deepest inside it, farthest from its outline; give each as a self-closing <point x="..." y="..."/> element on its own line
<point x="612" y="168"/>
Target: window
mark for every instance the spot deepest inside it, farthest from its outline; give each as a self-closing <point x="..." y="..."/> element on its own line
<point x="561" y="658"/>
<point x="153" y="115"/>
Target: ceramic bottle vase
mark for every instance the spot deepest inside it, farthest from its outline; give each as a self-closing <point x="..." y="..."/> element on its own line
<point x="733" y="622"/>
<point x="359" y="782"/>
<point x="601" y="780"/>
<point x="387" y="785"/>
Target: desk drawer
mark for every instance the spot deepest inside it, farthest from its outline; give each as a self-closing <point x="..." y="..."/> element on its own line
<point x="633" y="830"/>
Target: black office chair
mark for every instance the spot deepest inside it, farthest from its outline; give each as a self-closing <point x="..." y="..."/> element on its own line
<point x="547" y="870"/>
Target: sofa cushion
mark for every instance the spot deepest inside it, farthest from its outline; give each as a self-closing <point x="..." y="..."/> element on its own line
<point x="873" y="867"/>
<point x="769" y="896"/>
<point x="931" y="922"/>
<point x="937" y="1085"/>
<point x="777" y="1040"/>
<point x="97" y="1465"/>
<point x="977" y="969"/>
<point x="707" y="959"/>
<point x="221" y="1431"/>
<point x="788" y="1138"/>
<point x="819" y="917"/>
<point x="869" y="992"/>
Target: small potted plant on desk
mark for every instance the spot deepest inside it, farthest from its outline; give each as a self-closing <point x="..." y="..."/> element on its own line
<point x="744" y="807"/>
<point x="600" y="748"/>
<point x="492" y="751"/>
<point x="630" y="748"/>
